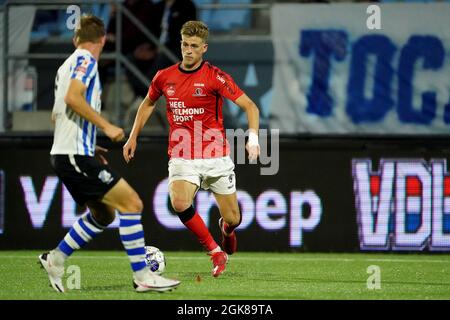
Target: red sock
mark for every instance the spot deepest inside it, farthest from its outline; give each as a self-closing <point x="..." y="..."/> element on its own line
<point x="198" y="227"/>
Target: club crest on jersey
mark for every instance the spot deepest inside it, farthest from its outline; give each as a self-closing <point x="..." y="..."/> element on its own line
<point x="198" y="93"/>
<point x="105" y="177"/>
<point x="170" y="90"/>
<point x="83" y="67"/>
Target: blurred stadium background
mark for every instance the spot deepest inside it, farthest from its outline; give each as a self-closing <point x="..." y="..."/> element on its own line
<point x="363" y="118"/>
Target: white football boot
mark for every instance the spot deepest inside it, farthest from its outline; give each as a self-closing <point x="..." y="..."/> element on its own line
<point x="55" y="271"/>
<point x="153" y="282"/>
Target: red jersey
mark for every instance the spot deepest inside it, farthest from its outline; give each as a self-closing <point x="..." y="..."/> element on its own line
<point x="194" y="101"/>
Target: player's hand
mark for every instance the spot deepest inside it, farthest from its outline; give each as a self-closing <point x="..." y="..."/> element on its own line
<point x="128" y="150"/>
<point x="114" y="133"/>
<point x="253" y="152"/>
<point x="99" y="151"/>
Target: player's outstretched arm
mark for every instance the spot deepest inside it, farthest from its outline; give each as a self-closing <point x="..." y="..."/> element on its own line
<point x="75" y="99"/>
<point x="250" y="108"/>
<point x="143" y="114"/>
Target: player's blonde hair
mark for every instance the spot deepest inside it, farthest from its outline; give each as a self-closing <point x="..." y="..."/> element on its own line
<point x="89" y="29"/>
<point x="195" y="29"/>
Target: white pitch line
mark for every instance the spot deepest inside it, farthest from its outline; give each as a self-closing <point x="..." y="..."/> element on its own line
<point x="295" y="259"/>
<point x="408" y="260"/>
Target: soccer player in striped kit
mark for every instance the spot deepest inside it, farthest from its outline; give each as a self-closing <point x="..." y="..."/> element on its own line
<point x="198" y="149"/>
<point x="91" y="182"/>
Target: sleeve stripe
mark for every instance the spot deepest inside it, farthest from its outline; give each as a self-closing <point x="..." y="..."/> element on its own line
<point x="79" y="75"/>
<point x="89" y="70"/>
<point x="79" y="62"/>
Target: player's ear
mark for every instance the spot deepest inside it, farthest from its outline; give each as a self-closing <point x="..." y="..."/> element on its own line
<point x="74" y="41"/>
<point x="205" y="47"/>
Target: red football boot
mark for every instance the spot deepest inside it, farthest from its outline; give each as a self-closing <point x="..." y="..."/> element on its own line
<point x="219" y="260"/>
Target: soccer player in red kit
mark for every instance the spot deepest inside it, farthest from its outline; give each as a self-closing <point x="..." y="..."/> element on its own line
<point x="198" y="149"/>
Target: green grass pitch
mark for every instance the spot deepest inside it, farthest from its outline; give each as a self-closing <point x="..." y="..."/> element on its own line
<point x="255" y="276"/>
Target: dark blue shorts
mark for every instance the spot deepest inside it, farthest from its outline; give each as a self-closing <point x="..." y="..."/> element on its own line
<point x="85" y="177"/>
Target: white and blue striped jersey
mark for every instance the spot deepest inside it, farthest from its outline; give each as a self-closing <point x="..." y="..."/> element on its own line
<point x="74" y="134"/>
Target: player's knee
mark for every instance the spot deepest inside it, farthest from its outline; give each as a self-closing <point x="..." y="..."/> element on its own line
<point x="135" y="205"/>
<point x="139" y="205"/>
<point x="180" y="205"/>
<point x="235" y="218"/>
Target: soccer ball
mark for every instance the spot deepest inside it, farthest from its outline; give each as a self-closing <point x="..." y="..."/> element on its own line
<point x="155" y="259"/>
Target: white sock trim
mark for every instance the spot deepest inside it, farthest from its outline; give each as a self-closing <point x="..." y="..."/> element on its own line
<point x="124" y="231"/>
<point x="216" y="249"/>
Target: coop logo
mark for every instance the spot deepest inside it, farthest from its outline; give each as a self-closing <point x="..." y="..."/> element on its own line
<point x="404" y="205"/>
<point x="271" y="211"/>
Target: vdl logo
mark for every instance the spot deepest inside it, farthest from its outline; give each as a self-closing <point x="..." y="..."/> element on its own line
<point x="405" y="205"/>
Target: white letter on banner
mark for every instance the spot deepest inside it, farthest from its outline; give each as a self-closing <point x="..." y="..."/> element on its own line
<point x="298" y="224"/>
<point x="439" y="239"/>
<point x="264" y="210"/>
<point x="412" y="240"/>
<point x="38" y="209"/>
<point x="373" y="220"/>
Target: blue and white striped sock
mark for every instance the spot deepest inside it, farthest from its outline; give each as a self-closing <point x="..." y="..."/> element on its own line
<point x="82" y="231"/>
<point x="132" y="236"/>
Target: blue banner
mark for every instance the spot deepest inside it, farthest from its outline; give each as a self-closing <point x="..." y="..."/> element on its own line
<point x="338" y="72"/>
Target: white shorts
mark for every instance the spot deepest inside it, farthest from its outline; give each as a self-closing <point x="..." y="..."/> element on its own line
<point x="216" y="174"/>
